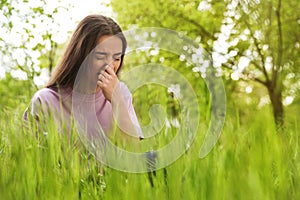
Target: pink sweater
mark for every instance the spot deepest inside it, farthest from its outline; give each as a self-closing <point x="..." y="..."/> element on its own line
<point x="90" y="111"/>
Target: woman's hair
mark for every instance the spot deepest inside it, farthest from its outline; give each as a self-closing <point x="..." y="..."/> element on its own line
<point x="83" y="41"/>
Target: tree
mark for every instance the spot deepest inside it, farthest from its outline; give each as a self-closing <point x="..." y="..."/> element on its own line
<point x="270" y="34"/>
<point x="183" y="17"/>
<point x="248" y="39"/>
<point x="29" y="37"/>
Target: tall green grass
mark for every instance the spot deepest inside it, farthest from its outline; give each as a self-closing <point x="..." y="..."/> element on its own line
<point x="250" y="161"/>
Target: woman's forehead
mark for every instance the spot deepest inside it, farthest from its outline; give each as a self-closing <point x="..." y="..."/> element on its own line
<point x="109" y="43"/>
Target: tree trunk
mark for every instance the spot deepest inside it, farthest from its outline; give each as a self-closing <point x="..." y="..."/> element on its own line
<point x="277" y="106"/>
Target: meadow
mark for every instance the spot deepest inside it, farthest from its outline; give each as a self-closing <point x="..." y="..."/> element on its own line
<point x="255" y="50"/>
<point x="250" y="161"/>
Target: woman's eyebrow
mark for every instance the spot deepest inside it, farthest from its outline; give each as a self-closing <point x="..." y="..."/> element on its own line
<point x="105" y="53"/>
<point x="101" y="53"/>
<point x="118" y="54"/>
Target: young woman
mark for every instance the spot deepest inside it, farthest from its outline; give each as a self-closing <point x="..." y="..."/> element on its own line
<point x="84" y="88"/>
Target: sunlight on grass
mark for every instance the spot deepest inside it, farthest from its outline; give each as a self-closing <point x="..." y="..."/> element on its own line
<point x="249" y="162"/>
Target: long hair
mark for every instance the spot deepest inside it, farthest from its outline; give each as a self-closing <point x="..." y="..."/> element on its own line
<point x="83" y="41"/>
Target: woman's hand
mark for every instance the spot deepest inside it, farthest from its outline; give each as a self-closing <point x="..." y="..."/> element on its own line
<point x="108" y="82"/>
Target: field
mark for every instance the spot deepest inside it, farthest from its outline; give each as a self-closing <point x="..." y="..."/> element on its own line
<point x="250" y="161"/>
<point x="181" y="56"/>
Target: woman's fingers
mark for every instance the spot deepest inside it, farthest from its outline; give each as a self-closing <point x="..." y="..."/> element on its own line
<point x="101" y="84"/>
<point x="110" y="70"/>
<point x="107" y="81"/>
<point x="106" y="75"/>
<point x="107" y="78"/>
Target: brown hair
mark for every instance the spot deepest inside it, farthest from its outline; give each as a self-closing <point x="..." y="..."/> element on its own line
<point x="83" y="41"/>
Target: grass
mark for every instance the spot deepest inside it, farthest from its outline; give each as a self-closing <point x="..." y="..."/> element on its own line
<point x="250" y="161"/>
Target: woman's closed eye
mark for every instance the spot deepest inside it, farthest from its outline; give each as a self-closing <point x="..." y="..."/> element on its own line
<point x="100" y="57"/>
<point x="117" y="58"/>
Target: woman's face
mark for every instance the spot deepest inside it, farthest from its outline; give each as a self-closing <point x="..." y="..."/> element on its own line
<point x="107" y="52"/>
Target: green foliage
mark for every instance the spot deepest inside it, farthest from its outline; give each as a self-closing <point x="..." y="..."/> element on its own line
<point x="264" y="32"/>
<point x="31" y="27"/>
<point x="14" y="93"/>
<point x="181" y="16"/>
<point x="248" y="162"/>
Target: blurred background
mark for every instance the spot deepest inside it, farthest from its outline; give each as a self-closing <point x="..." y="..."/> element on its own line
<point x="254" y="46"/>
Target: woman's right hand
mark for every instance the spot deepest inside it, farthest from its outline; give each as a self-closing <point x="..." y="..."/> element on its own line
<point x="108" y="81"/>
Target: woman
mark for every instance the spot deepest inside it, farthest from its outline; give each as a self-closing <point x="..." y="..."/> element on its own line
<point x="84" y="87"/>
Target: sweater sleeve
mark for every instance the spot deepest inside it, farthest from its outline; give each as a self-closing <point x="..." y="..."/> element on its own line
<point x="39" y="107"/>
<point x="128" y="99"/>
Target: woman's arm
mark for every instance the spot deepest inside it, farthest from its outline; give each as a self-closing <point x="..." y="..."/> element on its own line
<point x="121" y="101"/>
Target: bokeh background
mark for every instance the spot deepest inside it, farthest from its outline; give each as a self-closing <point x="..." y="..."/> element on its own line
<point x="255" y="48"/>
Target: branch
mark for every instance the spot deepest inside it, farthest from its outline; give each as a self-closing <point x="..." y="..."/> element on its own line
<point x="276" y="68"/>
<point x="195" y="23"/>
<point x="252" y="77"/>
<point x="256" y="65"/>
<point x="260" y="81"/>
<point x="52" y="54"/>
<point x="247" y="74"/>
<point x="262" y="58"/>
<point x="225" y="65"/>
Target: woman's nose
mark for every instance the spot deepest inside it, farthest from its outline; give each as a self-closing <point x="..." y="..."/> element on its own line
<point x="109" y="60"/>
